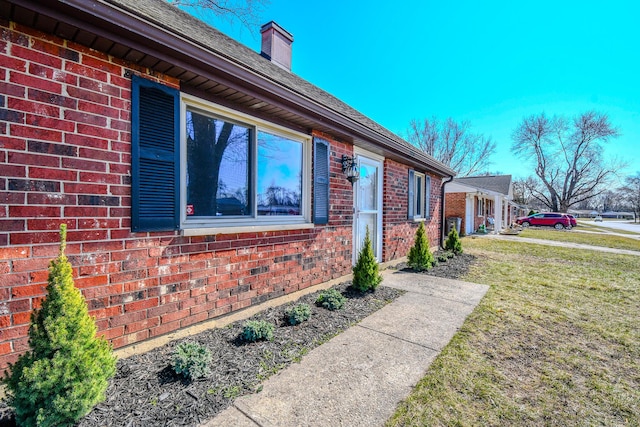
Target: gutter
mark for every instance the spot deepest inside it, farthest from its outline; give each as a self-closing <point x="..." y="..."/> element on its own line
<point x="442" y="220"/>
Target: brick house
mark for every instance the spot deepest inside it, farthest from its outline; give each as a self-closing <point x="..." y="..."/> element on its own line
<point x="196" y="176"/>
<point x="481" y="200"/>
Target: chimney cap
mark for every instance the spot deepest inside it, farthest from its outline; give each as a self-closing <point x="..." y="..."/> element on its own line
<point x="278" y="28"/>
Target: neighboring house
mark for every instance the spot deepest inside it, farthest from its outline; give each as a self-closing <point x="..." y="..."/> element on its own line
<point x="617" y="215"/>
<point x="583" y="213"/>
<point x="481" y="200"/>
<point x="196" y="176"/>
<point x="608" y="214"/>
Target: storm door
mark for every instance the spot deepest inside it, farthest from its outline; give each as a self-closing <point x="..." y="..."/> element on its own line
<point x="368" y="205"/>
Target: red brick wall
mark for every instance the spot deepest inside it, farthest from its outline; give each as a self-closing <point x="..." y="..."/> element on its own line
<point x="65" y="157"/>
<point x="456" y="206"/>
<point x="398" y="232"/>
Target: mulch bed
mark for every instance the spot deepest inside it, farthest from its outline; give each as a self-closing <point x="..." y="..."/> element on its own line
<point x="452" y="269"/>
<point x="146" y="392"/>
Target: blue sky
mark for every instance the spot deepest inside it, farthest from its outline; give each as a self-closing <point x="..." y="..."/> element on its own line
<point x="488" y="62"/>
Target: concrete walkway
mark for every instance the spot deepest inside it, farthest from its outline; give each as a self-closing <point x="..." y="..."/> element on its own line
<point x="359" y="377"/>
<point x="561" y="244"/>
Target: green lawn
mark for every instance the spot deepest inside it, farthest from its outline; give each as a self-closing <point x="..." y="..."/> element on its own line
<point x="593" y="226"/>
<point x="556" y="341"/>
<point x="607" y="240"/>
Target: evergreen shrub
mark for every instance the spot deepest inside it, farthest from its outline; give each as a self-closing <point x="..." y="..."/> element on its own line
<point x="453" y="242"/>
<point x="191" y="360"/>
<point x="255" y="330"/>
<point x="298" y="313"/>
<point x="331" y="299"/>
<point x="366" y="274"/>
<point x="420" y="257"/>
<point x="66" y="371"/>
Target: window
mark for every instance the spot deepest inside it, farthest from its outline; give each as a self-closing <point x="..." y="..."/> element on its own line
<point x="204" y="168"/>
<point x="242" y="171"/>
<point x="419" y="195"/>
<point x="480" y="206"/>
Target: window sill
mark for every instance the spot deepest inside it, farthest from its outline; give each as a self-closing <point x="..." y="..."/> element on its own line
<point x="207" y="231"/>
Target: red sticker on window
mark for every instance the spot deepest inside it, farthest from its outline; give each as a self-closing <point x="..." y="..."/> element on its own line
<point x="190" y="210"/>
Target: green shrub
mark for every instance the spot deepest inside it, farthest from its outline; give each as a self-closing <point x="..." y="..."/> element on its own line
<point x="442" y="258"/>
<point x="331" y="299"/>
<point x="366" y="274"/>
<point x="298" y="313"/>
<point x="420" y="257"/>
<point x="453" y="242"/>
<point x="191" y="360"/>
<point x="65" y="372"/>
<point x="255" y="330"/>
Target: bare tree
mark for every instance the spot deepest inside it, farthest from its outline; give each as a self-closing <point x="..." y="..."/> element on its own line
<point x="453" y="144"/>
<point x="567" y="156"/>
<point x="247" y="12"/>
<point x="631" y="191"/>
<point x="523" y="190"/>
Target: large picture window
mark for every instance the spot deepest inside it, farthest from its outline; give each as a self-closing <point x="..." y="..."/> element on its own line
<point x="204" y="169"/>
<point x="241" y="171"/>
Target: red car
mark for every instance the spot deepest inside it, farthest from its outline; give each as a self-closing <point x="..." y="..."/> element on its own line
<point x="550" y="219"/>
<point x="572" y="220"/>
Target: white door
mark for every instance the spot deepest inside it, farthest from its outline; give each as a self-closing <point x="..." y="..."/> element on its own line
<point x="368" y="206"/>
<point x="469" y="214"/>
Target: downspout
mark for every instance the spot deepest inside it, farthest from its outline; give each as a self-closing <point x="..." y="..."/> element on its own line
<point x="442" y="198"/>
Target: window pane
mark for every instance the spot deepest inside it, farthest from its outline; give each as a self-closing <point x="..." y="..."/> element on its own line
<point x="368" y="185"/>
<point x="279" y="184"/>
<point x="217" y="167"/>
<point x="419" y="196"/>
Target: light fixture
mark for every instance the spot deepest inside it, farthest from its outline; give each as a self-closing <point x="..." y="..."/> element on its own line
<point x="350" y="168"/>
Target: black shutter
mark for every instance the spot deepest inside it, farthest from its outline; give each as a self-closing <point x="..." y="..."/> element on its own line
<point x="320" y="181"/>
<point x="412" y="200"/>
<point x="155" y="156"/>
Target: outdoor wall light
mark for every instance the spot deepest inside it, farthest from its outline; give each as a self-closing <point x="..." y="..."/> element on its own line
<point x="350" y="168"/>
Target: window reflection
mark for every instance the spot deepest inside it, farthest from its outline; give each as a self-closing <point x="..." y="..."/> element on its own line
<point x="279" y="183"/>
<point x="217" y="166"/>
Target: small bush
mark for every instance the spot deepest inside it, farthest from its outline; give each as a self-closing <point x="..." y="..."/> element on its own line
<point x="65" y="372"/>
<point x="331" y="299"/>
<point x="420" y="257"/>
<point x="298" y="313"/>
<point x="191" y="360"/>
<point x="444" y="256"/>
<point x="366" y="274"/>
<point x="453" y="242"/>
<point x="255" y="330"/>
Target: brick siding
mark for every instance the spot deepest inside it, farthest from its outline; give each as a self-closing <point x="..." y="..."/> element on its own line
<point x="455" y="206"/>
<point x="398" y="233"/>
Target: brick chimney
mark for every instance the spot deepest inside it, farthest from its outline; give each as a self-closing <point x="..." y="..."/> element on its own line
<point x="276" y="45"/>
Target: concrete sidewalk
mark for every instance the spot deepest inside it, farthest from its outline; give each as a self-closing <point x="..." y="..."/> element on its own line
<point x="359" y="377"/>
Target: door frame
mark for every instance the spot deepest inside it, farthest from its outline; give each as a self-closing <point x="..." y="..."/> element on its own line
<point x="377" y="160"/>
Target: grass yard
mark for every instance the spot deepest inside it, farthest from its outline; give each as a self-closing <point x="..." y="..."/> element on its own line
<point x="593" y="226"/>
<point x="606" y="240"/>
<point x="556" y="341"/>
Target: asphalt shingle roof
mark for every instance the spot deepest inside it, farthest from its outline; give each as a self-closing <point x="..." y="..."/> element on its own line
<point x="186" y="26"/>
<point x="496" y="183"/>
